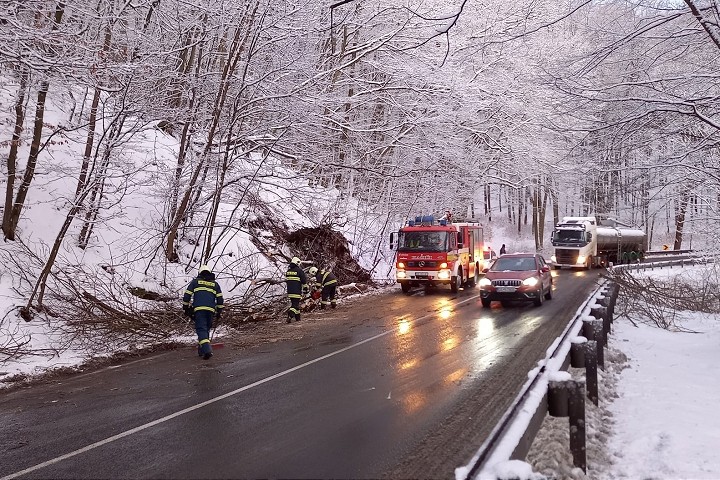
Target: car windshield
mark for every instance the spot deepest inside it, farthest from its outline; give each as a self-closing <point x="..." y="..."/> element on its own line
<point x="515" y="264"/>
<point x="423" y="241"/>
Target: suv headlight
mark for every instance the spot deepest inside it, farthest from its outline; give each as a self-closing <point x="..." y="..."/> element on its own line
<point x="530" y="282"/>
<point x="485" y="282"/>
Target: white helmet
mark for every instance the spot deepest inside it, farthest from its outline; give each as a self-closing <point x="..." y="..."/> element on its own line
<point x="312" y="271"/>
<point x="295" y="261"/>
<point x="204" y="268"/>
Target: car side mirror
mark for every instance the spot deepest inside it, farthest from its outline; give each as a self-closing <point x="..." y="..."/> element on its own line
<point x="392" y="240"/>
<point x="485" y="270"/>
<point x="545" y="269"/>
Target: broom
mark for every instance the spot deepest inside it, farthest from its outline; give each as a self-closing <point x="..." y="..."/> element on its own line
<point x="212" y="334"/>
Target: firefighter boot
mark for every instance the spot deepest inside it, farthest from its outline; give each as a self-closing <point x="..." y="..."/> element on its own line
<point x="205" y="349"/>
<point x="322" y="306"/>
<point x="333" y="304"/>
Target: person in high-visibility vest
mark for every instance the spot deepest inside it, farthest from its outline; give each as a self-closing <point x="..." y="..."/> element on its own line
<point x="296" y="286"/>
<point x="203" y="300"/>
<point x="328" y="283"/>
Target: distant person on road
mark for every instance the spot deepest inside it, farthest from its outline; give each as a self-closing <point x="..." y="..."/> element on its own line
<point x="297" y="285"/>
<point x="327" y="282"/>
<point x="203" y="300"/>
<point x="502" y="249"/>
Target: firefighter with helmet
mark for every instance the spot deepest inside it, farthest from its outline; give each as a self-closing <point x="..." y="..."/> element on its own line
<point x="296" y="286"/>
<point x="328" y="284"/>
<point x="203" y="300"/>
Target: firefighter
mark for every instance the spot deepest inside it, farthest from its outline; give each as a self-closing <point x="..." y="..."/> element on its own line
<point x="328" y="283"/>
<point x="203" y="300"/>
<point x="296" y="286"/>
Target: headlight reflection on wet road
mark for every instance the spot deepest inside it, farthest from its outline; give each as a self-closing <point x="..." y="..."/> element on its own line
<point x="488" y="344"/>
<point x="403" y="326"/>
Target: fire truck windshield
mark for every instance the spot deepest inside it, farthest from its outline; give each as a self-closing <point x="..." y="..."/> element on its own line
<point x="423" y="241"/>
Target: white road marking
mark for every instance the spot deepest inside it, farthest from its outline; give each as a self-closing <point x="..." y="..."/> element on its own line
<point x="164" y="419"/>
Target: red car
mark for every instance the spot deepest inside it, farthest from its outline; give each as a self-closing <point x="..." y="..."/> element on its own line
<point x="519" y="277"/>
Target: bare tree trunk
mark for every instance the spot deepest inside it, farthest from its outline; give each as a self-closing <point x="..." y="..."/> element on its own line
<point x="535" y="228"/>
<point x="543" y="214"/>
<point x="92" y="122"/>
<point x="680" y="218"/>
<point x="520" y="199"/>
<point x="31" y="164"/>
<point x="510" y="207"/>
<point x="35" y="145"/>
<point x="554" y="197"/>
<point x="12" y="156"/>
<point x="486" y="197"/>
<point x="216" y="203"/>
<point x="40" y="284"/>
<point x="98" y="186"/>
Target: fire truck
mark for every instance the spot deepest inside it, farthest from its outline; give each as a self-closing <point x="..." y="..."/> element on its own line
<point x="434" y="252"/>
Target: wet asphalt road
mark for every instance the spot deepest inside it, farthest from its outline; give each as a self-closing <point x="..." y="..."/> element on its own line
<point x="403" y="387"/>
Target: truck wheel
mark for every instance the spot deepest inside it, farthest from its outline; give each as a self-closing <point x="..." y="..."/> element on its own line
<point x="476" y="278"/>
<point x="454" y="283"/>
<point x="405" y="287"/>
<point x="486" y="302"/>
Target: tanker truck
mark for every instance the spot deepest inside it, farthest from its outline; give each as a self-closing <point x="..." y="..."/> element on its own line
<point x="586" y="242"/>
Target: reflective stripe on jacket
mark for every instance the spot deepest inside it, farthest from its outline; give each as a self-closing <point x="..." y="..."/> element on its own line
<point x="204" y="293"/>
<point x="326" y="278"/>
<point x="295" y="279"/>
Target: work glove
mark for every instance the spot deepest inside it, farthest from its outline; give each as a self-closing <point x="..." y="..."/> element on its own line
<point x="188" y="311"/>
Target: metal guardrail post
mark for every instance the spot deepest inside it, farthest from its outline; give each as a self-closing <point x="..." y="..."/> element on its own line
<point x="593" y="330"/>
<point x="577" y="352"/>
<point x="601" y="313"/>
<point x="566" y="398"/>
<point x="614" y="292"/>
<point x="576" y="412"/>
<point x="558" y="398"/>
<point x="591" y="374"/>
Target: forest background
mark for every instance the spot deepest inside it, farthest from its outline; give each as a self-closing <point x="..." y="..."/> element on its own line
<point x="141" y="138"/>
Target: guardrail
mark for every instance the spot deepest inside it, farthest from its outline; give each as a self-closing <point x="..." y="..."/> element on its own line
<point x="550" y="389"/>
<point x="667" y="252"/>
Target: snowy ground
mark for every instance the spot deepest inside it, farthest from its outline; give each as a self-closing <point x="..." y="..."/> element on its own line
<point x="656" y="415"/>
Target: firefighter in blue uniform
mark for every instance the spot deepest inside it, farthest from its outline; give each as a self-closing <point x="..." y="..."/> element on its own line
<point x="296" y="286"/>
<point x="328" y="283"/>
<point x="203" y="300"/>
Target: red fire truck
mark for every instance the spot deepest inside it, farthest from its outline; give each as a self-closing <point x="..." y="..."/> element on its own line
<point x="434" y="252"/>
